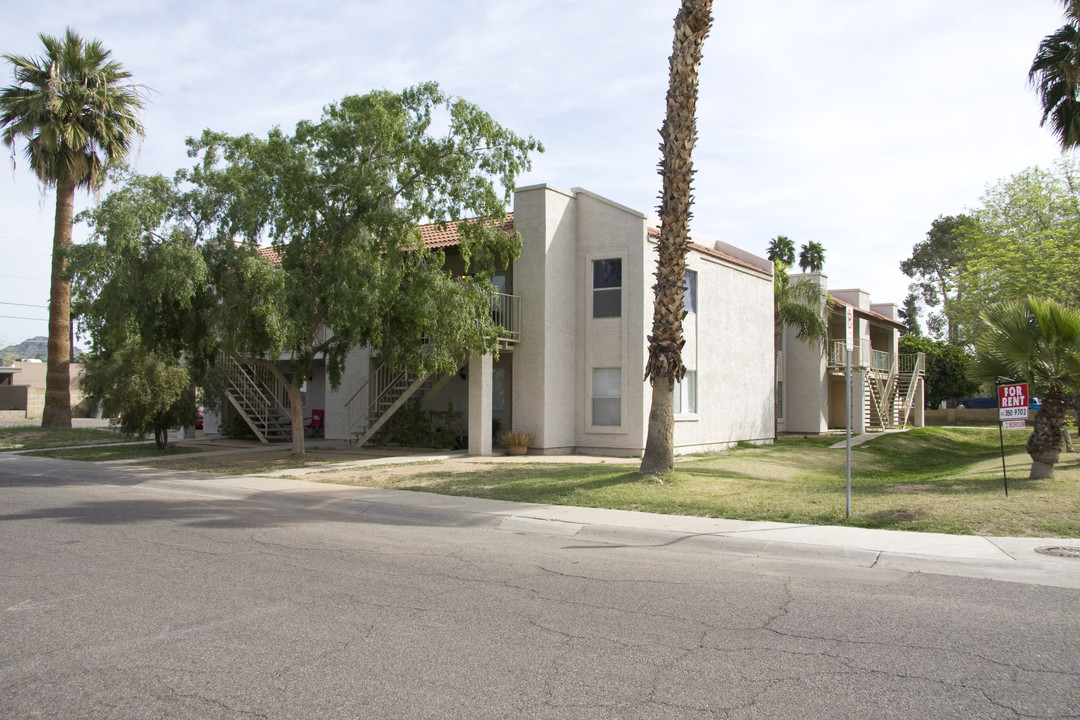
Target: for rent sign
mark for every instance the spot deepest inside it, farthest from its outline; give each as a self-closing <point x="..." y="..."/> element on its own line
<point x="1013" y="401"/>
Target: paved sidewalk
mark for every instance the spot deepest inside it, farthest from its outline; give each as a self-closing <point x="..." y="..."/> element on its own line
<point x="1001" y="558"/>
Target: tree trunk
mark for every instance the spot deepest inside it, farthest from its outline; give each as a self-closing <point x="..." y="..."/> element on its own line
<point x="57" y="413"/>
<point x="296" y="407"/>
<point x="659" y="457"/>
<point x="678" y="134"/>
<point x="296" y="415"/>
<point x="1044" y="445"/>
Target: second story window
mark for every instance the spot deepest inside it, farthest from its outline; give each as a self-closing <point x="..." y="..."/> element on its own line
<point x="607" y="288"/>
<point x="690" y="291"/>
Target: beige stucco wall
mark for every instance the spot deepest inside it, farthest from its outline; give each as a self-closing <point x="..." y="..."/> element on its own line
<point x="806" y="384"/>
<point x="730" y="344"/>
<point x="336" y="419"/>
<point x="609" y="230"/>
<point x="729" y="340"/>
<point x="545" y="387"/>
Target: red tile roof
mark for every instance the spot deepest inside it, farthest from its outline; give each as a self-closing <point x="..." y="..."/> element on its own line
<point x="437" y="236"/>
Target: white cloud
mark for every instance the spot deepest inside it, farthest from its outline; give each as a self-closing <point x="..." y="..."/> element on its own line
<point x="848" y="122"/>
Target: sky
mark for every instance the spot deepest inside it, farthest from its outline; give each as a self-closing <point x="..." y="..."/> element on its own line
<point x="853" y="123"/>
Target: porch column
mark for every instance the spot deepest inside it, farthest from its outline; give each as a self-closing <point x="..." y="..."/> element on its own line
<point x="918" y="409"/>
<point x="480" y="405"/>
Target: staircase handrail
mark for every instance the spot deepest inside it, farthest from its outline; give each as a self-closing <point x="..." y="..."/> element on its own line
<point x="379" y="383"/>
<point x="261" y="395"/>
<point x="917" y="369"/>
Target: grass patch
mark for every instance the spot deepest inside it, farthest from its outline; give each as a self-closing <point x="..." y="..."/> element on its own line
<point x="35" y="437"/>
<point x="264" y="462"/>
<point x="106" y="453"/>
<point x="930" y="480"/>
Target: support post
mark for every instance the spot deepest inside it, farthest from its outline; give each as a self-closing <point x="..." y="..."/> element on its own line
<point x="480" y="387"/>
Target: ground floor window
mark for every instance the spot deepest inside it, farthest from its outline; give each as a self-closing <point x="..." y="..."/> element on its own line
<point x="684" y="396"/>
<point x="607" y="397"/>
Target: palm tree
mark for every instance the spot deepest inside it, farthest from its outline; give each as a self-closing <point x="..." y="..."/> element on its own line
<point x="781" y="250"/>
<point x="812" y="257"/>
<point x="800" y="304"/>
<point x="678" y="135"/>
<point x="1036" y="341"/>
<point x="803" y="306"/>
<point x="77" y="113"/>
<point x="1055" y="73"/>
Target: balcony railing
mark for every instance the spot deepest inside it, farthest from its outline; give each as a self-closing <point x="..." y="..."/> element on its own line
<point x="506" y="312"/>
<point x="864" y="356"/>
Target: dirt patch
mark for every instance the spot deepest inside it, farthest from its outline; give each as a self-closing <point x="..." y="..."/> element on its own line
<point x="909" y="489"/>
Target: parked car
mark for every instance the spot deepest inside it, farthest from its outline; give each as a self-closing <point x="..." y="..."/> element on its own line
<point x="991" y="403"/>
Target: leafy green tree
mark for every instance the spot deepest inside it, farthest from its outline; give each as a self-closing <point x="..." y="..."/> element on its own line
<point x="339" y="202"/>
<point x="1026" y="240"/>
<point x="149" y="392"/>
<point x="946" y="374"/>
<point x="678" y="135"/>
<point x="936" y="265"/>
<point x="781" y="250"/>
<point x="812" y="257"/>
<point x="909" y="314"/>
<point x="77" y="111"/>
<point x="1035" y="341"/>
<point x="140" y="290"/>
<point x="1055" y="73"/>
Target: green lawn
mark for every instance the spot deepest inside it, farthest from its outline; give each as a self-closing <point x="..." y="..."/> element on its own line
<point x="930" y="480"/>
<point x="34" y="437"/>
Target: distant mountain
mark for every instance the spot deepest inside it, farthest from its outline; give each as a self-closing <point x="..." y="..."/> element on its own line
<point x="35" y="347"/>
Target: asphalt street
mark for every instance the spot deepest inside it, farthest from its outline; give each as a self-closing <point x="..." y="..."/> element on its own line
<point x="133" y="594"/>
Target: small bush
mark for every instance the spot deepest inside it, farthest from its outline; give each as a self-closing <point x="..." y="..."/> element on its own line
<point x="236" y="429"/>
<point x="516" y="438"/>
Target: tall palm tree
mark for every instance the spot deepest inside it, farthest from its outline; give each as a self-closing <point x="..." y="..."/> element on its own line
<point x="76" y="109"/>
<point x="802" y="305"/>
<point x="812" y="257"/>
<point x="1036" y="341"/>
<point x="782" y="250"/>
<point x="1055" y="73"/>
<point x="678" y="135"/>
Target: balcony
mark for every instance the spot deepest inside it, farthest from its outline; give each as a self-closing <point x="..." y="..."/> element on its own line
<point x="506" y="313"/>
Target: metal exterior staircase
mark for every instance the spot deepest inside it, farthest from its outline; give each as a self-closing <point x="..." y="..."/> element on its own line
<point x="387" y="392"/>
<point x="912" y="368"/>
<point x="890" y="393"/>
<point x="258" y="397"/>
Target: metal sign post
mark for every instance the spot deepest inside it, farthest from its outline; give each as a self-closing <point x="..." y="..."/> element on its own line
<point x="1012" y="413"/>
<point x="849" y="318"/>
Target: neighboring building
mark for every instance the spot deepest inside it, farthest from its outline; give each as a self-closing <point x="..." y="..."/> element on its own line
<point x="22" y="390"/>
<point x="887" y="388"/>
<point x="578" y="305"/>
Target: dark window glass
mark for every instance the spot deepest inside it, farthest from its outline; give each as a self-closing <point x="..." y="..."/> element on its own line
<point x="690" y="291"/>
<point x="607" y="288"/>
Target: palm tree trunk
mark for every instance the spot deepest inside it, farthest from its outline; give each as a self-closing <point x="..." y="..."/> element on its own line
<point x="57" y="413"/>
<point x="1044" y="445"/>
<point x="679" y="133"/>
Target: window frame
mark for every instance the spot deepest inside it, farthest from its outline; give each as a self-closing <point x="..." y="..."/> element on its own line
<point x="594" y="397"/>
<point x="606" y="290"/>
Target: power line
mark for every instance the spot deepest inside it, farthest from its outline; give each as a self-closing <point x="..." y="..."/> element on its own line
<point x="22" y="304"/>
<point x="16" y="317"/>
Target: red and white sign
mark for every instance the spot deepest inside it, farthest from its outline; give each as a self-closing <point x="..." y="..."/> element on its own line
<point x="1013" y="402"/>
<point x="1014" y="424"/>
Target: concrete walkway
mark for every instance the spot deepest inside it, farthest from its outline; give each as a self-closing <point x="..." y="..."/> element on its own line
<point x="1002" y="558"/>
